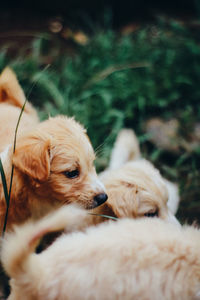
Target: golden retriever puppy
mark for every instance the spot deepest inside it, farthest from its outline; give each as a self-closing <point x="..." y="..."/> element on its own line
<point x="145" y="259"/>
<point x="134" y="186"/>
<point x="135" y="190"/>
<point x="53" y="160"/>
<point x="126" y="149"/>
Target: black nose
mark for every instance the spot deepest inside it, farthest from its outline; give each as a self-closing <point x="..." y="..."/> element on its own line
<point x="100" y="199"/>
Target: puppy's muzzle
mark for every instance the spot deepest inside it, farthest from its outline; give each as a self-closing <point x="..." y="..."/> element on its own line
<point x="100" y="199"/>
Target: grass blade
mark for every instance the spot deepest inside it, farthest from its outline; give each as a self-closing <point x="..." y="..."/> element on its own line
<point x="6" y="193"/>
<point x="104" y="216"/>
<point x="5" y="188"/>
<point x="3" y="177"/>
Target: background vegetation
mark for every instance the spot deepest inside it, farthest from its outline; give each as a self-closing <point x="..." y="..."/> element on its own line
<point x="113" y="79"/>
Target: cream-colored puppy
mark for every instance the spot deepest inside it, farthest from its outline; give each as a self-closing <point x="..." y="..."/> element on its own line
<point x="128" y="259"/>
<point x="134" y="186"/>
<point x="53" y="160"/>
<point x="135" y="190"/>
<point x="126" y="149"/>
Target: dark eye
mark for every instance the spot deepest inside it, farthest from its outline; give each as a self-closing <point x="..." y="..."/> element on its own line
<point x="72" y="174"/>
<point x="151" y="214"/>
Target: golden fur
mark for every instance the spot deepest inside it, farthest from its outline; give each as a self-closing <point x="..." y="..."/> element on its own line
<point x="12" y="99"/>
<point x="44" y="153"/>
<point x="145" y="259"/>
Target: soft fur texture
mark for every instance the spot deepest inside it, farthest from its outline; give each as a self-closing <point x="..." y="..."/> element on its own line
<point x="44" y="153"/>
<point x="144" y="259"/>
<point x="126" y="149"/>
<point x="135" y="190"/>
<point x="134" y="186"/>
<point x="12" y="99"/>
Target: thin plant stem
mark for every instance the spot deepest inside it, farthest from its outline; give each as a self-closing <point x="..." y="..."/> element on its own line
<point x="6" y="193"/>
<point x="3" y="177"/>
<point x="104" y="216"/>
<point x="12" y="170"/>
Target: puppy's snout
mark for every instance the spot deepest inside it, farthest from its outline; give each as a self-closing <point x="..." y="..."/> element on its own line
<point x="100" y="199"/>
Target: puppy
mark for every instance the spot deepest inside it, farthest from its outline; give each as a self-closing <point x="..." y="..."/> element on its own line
<point x="134" y="186"/>
<point x="128" y="259"/>
<point x="53" y="160"/>
<point x="126" y="149"/>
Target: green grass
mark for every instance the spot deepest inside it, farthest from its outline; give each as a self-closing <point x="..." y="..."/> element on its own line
<point x="118" y="81"/>
<point x="7" y="192"/>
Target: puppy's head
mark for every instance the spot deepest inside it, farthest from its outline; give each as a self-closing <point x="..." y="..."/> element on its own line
<point x="56" y="162"/>
<point x="137" y="190"/>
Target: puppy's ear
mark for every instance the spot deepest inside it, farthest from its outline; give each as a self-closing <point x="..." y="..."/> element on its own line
<point x="119" y="202"/>
<point x="32" y="157"/>
<point x="11" y="91"/>
<point x="113" y="203"/>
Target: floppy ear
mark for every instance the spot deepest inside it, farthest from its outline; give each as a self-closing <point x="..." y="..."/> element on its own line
<point x="113" y="202"/>
<point x="11" y="91"/>
<point x="32" y="157"/>
<point x="120" y="201"/>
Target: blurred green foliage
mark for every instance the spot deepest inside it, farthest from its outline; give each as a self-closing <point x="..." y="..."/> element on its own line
<point x="117" y="81"/>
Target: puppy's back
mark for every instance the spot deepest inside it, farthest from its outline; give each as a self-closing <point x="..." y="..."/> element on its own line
<point x="128" y="259"/>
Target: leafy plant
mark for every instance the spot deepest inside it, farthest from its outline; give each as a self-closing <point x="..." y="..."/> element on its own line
<point x="118" y="81"/>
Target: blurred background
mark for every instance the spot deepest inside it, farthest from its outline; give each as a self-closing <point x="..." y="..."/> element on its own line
<point x="115" y="64"/>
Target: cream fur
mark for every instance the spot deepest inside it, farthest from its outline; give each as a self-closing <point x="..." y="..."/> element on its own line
<point x="134" y="186"/>
<point x="174" y="198"/>
<point x="144" y="259"/>
<point x="126" y="148"/>
<point x="135" y="189"/>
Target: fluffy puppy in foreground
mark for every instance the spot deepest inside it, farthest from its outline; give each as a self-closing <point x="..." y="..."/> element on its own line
<point x="145" y="259"/>
<point x="53" y="160"/>
<point x="134" y="186"/>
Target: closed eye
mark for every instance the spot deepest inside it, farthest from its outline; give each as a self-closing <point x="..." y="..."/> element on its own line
<point x="151" y="214"/>
<point x="72" y="174"/>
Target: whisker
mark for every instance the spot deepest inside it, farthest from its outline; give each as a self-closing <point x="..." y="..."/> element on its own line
<point x="106" y="141"/>
<point x="36" y="81"/>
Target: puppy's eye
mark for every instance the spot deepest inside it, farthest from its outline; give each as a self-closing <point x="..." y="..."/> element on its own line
<point x="151" y="214"/>
<point x="72" y="174"/>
